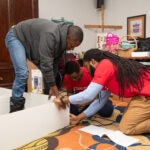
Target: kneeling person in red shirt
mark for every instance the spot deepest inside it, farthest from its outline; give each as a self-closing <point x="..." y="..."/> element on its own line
<point x="77" y="79"/>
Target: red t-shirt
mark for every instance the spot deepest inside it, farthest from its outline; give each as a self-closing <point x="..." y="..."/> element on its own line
<point x="104" y="75"/>
<point x="79" y="85"/>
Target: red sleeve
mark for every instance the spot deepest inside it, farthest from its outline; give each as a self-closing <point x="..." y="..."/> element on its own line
<point x="104" y="72"/>
<point x="68" y="83"/>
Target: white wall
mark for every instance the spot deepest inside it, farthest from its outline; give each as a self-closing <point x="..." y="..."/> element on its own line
<point x="117" y="11"/>
<point x="83" y="12"/>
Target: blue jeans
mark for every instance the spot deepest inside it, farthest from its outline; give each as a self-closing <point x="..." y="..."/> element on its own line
<point x="18" y="57"/>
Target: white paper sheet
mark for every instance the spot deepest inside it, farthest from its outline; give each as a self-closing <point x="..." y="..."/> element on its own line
<point x="116" y="136"/>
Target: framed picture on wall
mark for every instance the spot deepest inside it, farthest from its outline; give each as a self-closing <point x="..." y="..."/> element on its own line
<point x="136" y="26"/>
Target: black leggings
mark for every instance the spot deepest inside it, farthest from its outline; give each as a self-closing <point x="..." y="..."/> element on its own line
<point x="106" y="110"/>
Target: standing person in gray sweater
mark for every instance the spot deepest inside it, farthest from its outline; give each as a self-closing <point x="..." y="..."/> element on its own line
<point x="43" y="42"/>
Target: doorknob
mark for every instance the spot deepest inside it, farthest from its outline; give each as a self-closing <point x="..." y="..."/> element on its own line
<point x="1" y="78"/>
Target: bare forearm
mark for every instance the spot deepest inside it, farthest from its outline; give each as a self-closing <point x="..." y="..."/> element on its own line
<point x="54" y="91"/>
<point x="81" y="116"/>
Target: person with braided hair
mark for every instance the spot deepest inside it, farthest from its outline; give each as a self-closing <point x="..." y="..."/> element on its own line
<point x="123" y="77"/>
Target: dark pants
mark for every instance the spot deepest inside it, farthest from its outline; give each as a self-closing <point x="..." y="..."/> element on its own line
<point x="58" y="80"/>
<point x="106" y="110"/>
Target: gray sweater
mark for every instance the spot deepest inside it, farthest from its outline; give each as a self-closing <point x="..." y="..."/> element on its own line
<point x="44" y="42"/>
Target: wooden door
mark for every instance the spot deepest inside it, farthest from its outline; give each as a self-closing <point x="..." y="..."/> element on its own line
<point x="12" y="12"/>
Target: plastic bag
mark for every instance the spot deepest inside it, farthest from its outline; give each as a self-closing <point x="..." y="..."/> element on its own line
<point x="112" y="41"/>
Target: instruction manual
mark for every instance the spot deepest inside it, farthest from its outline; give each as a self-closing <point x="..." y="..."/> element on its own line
<point x="116" y="136"/>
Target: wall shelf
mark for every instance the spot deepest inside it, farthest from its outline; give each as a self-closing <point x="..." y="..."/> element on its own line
<point x="139" y="58"/>
<point x="104" y="26"/>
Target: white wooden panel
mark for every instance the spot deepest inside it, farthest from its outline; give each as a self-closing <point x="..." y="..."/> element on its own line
<point x="40" y="117"/>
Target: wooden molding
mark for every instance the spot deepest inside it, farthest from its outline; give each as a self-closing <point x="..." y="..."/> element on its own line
<point x="104" y="26"/>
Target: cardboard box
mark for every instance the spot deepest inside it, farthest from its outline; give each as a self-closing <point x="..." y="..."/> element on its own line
<point x="39" y="118"/>
<point x="35" y="79"/>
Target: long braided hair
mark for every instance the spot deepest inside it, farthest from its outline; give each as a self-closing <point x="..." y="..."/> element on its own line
<point x="128" y="72"/>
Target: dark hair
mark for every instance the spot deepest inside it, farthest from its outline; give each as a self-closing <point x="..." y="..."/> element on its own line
<point x="71" y="67"/>
<point x="128" y="73"/>
<point x="75" y="33"/>
<point x="92" y="70"/>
